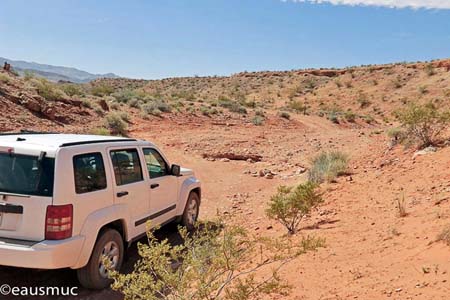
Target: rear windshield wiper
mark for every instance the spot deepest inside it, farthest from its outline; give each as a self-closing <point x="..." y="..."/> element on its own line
<point x="4" y="194"/>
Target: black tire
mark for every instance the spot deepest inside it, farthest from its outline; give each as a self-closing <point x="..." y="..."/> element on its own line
<point x="90" y="275"/>
<point x="187" y="220"/>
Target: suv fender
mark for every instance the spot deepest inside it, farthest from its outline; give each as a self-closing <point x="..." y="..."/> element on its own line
<point x="91" y="228"/>
<point x="188" y="185"/>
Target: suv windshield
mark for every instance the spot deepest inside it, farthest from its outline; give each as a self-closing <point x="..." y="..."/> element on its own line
<point x="24" y="174"/>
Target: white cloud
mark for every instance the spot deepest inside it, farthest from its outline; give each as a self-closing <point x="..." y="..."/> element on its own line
<point x="430" y="4"/>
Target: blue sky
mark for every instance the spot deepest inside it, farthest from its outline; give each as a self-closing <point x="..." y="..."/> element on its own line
<point x="166" y="38"/>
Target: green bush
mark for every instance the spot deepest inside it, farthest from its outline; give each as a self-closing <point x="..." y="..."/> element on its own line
<point x="298" y="106"/>
<point x="49" y="91"/>
<point x="290" y="204"/>
<point x="258" y="120"/>
<point x="100" y="131"/>
<point x="116" y="124"/>
<point x="214" y="262"/>
<point x="424" y="124"/>
<point x="156" y="107"/>
<point x="124" y="96"/>
<point x="327" y="166"/>
<point x="71" y="89"/>
<point x="4" y="78"/>
<point x="101" y="90"/>
<point x="350" y="116"/>
<point x="284" y="115"/>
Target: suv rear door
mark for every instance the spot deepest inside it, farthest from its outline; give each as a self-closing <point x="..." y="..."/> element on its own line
<point x="129" y="184"/>
<point x="26" y="189"/>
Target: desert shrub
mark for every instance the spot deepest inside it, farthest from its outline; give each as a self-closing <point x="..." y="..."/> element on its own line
<point x="47" y="90"/>
<point x="123" y="96"/>
<point x="444" y="236"/>
<point x="401" y="207"/>
<point x="423" y="123"/>
<point x="100" y="131"/>
<point x="86" y="102"/>
<point x="298" y="106"/>
<point x="134" y="102"/>
<point x="284" y="115"/>
<point x="156" y="107"/>
<point x="290" y="204"/>
<point x="350" y="116"/>
<point x="258" y="120"/>
<point x="363" y="101"/>
<point x="98" y="110"/>
<point x="116" y="124"/>
<point x="327" y="166"/>
<point x="333" y="116"/>
<point x="430" y="70"/>
<point x="215" y="262"/>
<point x="423" y="89"/>
<point x="28" y="75"/>
<point x="4" y="78"/>
<point x="395" y="133"/>
<point x="237" y="108"/>
<point x="101" y="90"/>
<point x="71" y="89"/>
<point x="114" y="106"/>
<point x="125" y="116"/>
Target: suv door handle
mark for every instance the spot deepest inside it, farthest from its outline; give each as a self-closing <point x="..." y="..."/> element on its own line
<point x="154" y="185"/>
<point x="121" y="194"/>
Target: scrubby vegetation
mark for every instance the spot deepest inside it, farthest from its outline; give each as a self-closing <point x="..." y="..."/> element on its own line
<point x="423" y="124"/>
<point x="215" y="262"/>
<point x="290" y="204"/>
<point x="327" y="166"/>
<point x="116" y="124"/>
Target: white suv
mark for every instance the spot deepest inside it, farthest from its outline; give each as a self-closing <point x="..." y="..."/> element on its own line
<point x="69" y="200"/>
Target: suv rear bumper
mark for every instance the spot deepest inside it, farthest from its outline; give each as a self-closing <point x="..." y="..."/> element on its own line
<point x="41" y="255"/>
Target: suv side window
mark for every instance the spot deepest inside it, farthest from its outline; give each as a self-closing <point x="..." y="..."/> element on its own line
<point x="127" y="167"/>
<point x="156" y="165"/>
<point x="89" y="172"/>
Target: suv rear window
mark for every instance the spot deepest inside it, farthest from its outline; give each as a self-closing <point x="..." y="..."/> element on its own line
<point x="89" y="173"/>
<point x="24" y="174"/>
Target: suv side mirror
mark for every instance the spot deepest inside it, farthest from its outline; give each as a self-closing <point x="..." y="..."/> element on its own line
<point x="175" y="170"/>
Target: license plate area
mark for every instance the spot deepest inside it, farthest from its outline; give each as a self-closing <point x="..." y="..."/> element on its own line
<point x="10" y="216"/>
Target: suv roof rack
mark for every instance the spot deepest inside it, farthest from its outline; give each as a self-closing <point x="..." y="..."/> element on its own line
<point x="96" y="142"/>
<point x="26" y="131"/>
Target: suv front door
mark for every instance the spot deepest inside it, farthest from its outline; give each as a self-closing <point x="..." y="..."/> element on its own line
<point x="163" y="187"/>
<point x="130" y="187"/>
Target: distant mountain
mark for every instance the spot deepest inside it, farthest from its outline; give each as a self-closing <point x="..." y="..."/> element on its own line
<point x="54" y="73"/>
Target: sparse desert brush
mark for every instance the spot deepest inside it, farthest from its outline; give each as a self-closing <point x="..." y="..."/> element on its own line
<point x="327" y="166"/>
<point x="4" y="78"/>
<point x="284" y="115"/>
<point x="49" y="91"/>
<point x="363" y="101"/>
<point x="116" y="124"/>
<point x="125" y="116"/>
<point x="258" y="120"/>
<point x="100" y="131"/>
<point x="126" y="95"/>
<point x="156" y="107"/>
<point x="134" y="102"/>
<point x="101" y="90"/>
<point x="290" y="204"/>
<point x="350" y="116"/>
<point x="86" y="102"/>
<point x="71" y="89"/>
<point x="333" y="116"/>
<point x="401" y="207"/>
<point x="98" y="110"/>
<point x="27" y="75"/>
<point x="396" y="134"/>
<point x="444" y="236"/>
<point x="214" y="262"/>
<point x="423" y="89"/>
<point x="237" y="108"/>
<point x="424" y="123"/>
<point x="298" y="106"/>
<point x="430" y="70"/>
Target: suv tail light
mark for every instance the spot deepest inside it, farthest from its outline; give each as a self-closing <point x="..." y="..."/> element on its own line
<point x="58" y="222"/>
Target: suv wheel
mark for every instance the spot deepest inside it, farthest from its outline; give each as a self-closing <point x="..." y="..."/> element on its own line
<point x="95" y="275"/>
<point x="190" y="214"/>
